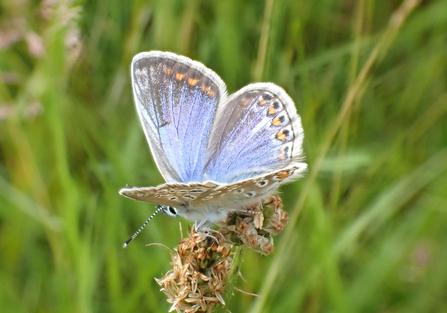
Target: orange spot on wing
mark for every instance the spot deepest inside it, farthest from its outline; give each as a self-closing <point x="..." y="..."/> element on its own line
<point x="207" y="89"/>
<point x="211" y="93"/>
<point x="262" y="102"/>
<point x="168" y="70"/>
<point x="283" y="175"/>
<point x="271" y="110"/>
<point x="281" y="136"/>
<point x="179" y="76"/>
<point x="193" y="81"/>
<point x="276" y="122"/>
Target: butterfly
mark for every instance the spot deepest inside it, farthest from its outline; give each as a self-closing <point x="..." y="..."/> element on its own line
<point x="217" y="153"/>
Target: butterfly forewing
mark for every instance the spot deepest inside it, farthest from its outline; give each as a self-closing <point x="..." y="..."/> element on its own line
<point x="176" y="100"/>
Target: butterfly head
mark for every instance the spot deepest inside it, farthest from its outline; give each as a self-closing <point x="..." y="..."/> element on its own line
<point x="168" y="210"/>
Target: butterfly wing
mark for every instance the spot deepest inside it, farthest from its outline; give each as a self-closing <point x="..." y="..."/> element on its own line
<point x="242" y="194"/>
<point x="176" y="100"/>
<point x="177" y="195"/>
<point x="204" y="201"/>
<point x="256" y="132"/>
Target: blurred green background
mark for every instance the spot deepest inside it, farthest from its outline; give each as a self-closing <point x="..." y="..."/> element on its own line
<point x="368" y="228"/>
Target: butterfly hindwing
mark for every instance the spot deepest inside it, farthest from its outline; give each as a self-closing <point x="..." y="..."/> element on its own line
<point x="239" y="195"/>
<point x="177" y="195"/>
<point x="203" y="196"/>
<point x="256" y="132"/>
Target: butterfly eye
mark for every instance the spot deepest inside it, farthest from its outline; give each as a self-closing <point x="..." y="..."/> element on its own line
<point x="169" y="210"/>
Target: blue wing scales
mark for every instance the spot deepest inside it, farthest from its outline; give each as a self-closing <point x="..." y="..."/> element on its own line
<point x="257" y="131"/>
<point x="176" y="100"/>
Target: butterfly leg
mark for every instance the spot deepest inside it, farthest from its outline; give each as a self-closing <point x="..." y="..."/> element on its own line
<point x="202" y="227"/>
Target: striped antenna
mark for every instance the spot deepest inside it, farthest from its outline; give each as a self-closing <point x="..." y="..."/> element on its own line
<point x="159" y="208"/>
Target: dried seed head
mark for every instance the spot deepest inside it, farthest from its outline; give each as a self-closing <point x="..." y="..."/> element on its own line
<point x="201" y="264"/>
<point x="197" y="281"/>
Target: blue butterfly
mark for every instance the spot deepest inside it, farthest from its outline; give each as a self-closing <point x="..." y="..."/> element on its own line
<point x="217" y="153"/>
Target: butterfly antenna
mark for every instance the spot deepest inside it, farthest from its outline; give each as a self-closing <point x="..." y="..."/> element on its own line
<point x="159" y="208"/>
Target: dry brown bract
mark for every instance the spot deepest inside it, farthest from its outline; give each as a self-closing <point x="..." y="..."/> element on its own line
<point x="255" y="230"/>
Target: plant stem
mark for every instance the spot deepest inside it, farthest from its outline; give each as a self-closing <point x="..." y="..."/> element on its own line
<point x="232" y="278"/>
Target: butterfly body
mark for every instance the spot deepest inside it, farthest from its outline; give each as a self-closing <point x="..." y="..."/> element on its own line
<point x="218" y="154"/>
